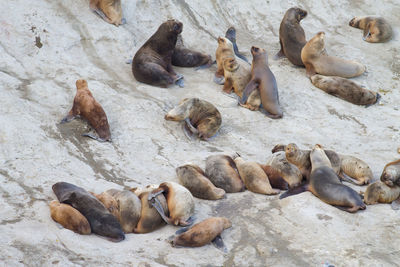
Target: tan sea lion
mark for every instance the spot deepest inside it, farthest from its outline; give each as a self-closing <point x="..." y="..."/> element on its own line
<point x="152" y="62"/>
<point x="379" y="192"/>
<point x="88" y="108"/>
<point x="289" y="172"/>
<point x="69" y="218"/>
<point x="150" y="219"/>
<point x="391" y="174"/>
<point x="203" y="233"/>
<point x="201" y="117"/>
<point x="224" y="51"/>
<point x="291" y="35"/>
<point x="184" y="57"/>
<point x="108" y="201"/>
<point x="345" y="89"/>
<point x="221" y="170"/>
<point x="254" y="177"/>
<point x="263" y="80"/>
<point x="275" y="179"/>
<point x="193" y="178"/>
<point x="316" y="60"/>
<point x="356" y="169"/>
<point x="376" y="30"/>
<point x="148" y="188"/>
<point x="109" y="10"/>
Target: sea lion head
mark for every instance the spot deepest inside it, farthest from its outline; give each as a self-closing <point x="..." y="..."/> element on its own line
<point x="173" y="26"/>
<point x="291" y="150"/>
<point x="81" y="84"/>
<point x="225" y="43"/>
<point x="230" y="64"/>
<point x="255" y="51"/>
<point x="231" y="33"/>
<point x="354" y="22"/>
<point x="227" y="223"/>
<point x="296" y="14"/>
<point x="389" y="177"/>
<point x="182" y="111"/>
<point x="319" y="158"/>
<point x="317" y="43"/>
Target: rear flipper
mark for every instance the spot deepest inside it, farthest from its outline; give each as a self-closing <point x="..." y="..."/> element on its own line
<point x="350" y="209"/>
<point x="345" y="178"/>
<point x="68" y="118"/>
<point x="294" y="191"/>
<point x="219" y="243"/>
<point x="219" y="80"/>
<point x="206" y="66"/>
<point x="396" y="204"/>
<point x="189" y="129"/>
<point x="100" y="13"/>
<point x="269" y="115"/>
<point x="179" y="81"/>
<point x="92" y="134"/>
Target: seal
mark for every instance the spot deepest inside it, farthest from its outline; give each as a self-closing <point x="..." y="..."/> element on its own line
<point x="254" y="177"/>
<point x="201" y="117"/>
<point x="376" y="29"/>
<point x="152" y="63"/>
<point x="150" y="219"/>
<point x="345" y="89"/>
<point x="221" y="170"/>
<point x="263" y="79"/>
<point x="203" y="233"/>
<point x="291" y="35"/>
<point x="101" y="221"/>
<point x="184" y="57"/>
<point x="391" y="174"/>
<point x="356" y="169"/>
<point x="274" y="178"/>
<point x="379" y="192"/>
<point x="148" y="188"/>
<point x="108" y="201"/>
<point x="224" y="51"/>
<point x="108" y="10"/>
<point x="69" y="218"/>
<point x="193" y="178"/>
<point x="288" y="171"/>
<point x="317" y="60"/>
<point x="231" y="36"/>
<point x="325" y="184"/>
<point x="88" y="108"/>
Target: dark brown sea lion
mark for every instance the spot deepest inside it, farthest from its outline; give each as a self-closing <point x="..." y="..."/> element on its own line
<point x="89" y="109"/>
<point x="193" y="178"/>
<point x="101" y="221"/>
<point x="152" y="62"/>
<point x="184" y="57"/>
<point x="150" y="219"/>
<point x="263" y="80"/>
<point x="109" y="10"/>
<point x="288" y="171"/>
<point x="379" y="192"/>
<point x="376" y="30"/>
<point x="291" y="35"/>
<point x="69" y="218"/>
<point x="391" y="174"/>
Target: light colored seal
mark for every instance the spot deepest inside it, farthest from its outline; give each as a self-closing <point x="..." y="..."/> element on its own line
<point x="109" y="10"/>
<point x="356" y="169"/>
<point x="69" y="218"/>
<point x="391" y="174"/>
<point x="379" y="192"/>
<point x="376" y="30"/>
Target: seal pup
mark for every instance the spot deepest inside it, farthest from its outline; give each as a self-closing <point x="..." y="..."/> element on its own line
<point x="101" y="221"/>
<point x="108" y="10"/>
<point x="325" y="184"/>
<point x="379" y="192"/>
<point x="376" y="30"/>
<point x="193" y="178"/>
<point x="150" y="218"/>
<point x="69" y="218"/>
<point x="203" y="233"/>
<point x="391" y="174"/>
<point x="264" y="81"/>
<point x="355" y="168"/>
<point x="345" y="89"/>
<point x="221" y="170"/>
<point x="316" y="60"/>
<point x="291" y="35"/>
<point x="88" y="108"/>
<point x="274" y="178"/>
<point x="288" y="171"/>
<point x="184" y="57"/>
<point x="201" y="117"/>
<point x="231" y="36"/>
<point x="254" y="177"/>
<point x="152" y="63"/>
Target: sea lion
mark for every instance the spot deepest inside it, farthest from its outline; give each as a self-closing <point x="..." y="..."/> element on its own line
<point x="274" y="178"/>
<point x="179" y="200"/>
<point x="356" y="169"/>
<point x="345" y="89"/>
<point x="201" y="117"/>
<point x="88" y="108"/>
<point x="379" y="192"/>
<point x="391" y="174"/>
<point x="325" y="184"/>
<point x="254" y="177"/>
<point x="224" y="51"/>
<point x="264" y="80"/>
<point x="376" y="30"/>
<point x="316" y="60"/>
<point x="69" y="218"/>
<point x="150" y="219"/>
<point x="291" y="35"/>
<point x="148" y="188"/>
<point x="221" y="170"/>
<point x="184" y="57"/>
<point x="193" y="178"/>
<point x="101" y="221"/>
<point x="152" y="62"/>
<point x="108" y="201"/>
<point x="289" y="172"/>
<point x="203" y="233"/>
<point x="109" y="10"/>
<point x="231" y="36"/>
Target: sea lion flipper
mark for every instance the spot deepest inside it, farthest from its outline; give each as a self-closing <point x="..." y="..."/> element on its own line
<point x="344" y="178"/>
<point x="129" y="61"/>
<point x="294" y="191"/>
<point x="179" y="80"/>
<point x="94" y="135"/>
<point x="395" y="204"/>
<point x="206" y="66"/>
<point x="279" y="55"/>
<point x="68" y="118"/>
<point x="190" y="127"/>
<point x="218" y="242"/>
<point x="153" y="200"/>
<point x="250" y="87"/>
<point x="123" y="21"/>
<point x="182" y="230"/>
<point x="100" y="13"/>
<point x="188" y="222"/>
<point x="186" y="130"/>
<point x="219" y="80"/>
<point x="377" y="99"/>
<point x="310" y="70"/>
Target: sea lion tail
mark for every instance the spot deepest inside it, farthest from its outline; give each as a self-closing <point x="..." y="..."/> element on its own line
<point x="294" y="191"/>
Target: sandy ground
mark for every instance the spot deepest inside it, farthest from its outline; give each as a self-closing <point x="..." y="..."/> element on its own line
<point x="46" y="45"/>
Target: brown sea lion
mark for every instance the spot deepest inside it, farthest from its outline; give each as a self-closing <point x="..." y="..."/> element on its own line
<point x="356" y="169"/>
<point x="391" y="174"/>
<point x="221" y="170"/>
<point x="150" y="219"/>
<point x="376" y="30"/>
<point x="108" y="201"/>
<point x="345" y="89"/>
<point x="224" y="51"/>
<point x="254" y="177"/>
<point x="184" y="57"/>
<point x="69" y="218"/>
<point x="101" y="221"/>
<point x="88" y="108"/>
<point x="193" y="178"/>
<point x="291" y="35"/>
<point x="152" y="62"/>
<point x="264" y="81"/>
<point x="379" y="192"/>
<point x="289" y="172"/>
<point x="109" y="10"/>
<point x="203" y="233"/>
<point x="275" y="179"/>
<point x="231" y="36"/>
<point x="201" y="117"/>
<point x="325" y="184"/>
<point x="316" y="60"/>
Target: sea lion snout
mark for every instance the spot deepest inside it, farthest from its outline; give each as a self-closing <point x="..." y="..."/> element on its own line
<point x="301" y="13"/>
<point x="352" y="21"/>
<point x="178" y="27"/>
<point x="80" y="84"/>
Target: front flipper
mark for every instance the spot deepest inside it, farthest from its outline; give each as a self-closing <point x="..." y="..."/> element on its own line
<point x="219" y="80"/>
<point x="179" y="80"/>
<point x="344" y="178"/>
<point x="129" y="61"/>
<point x="269" y="115"/>
<point x="250" y="87"/>
<point x="281" y="53"/>
<point x="101" y="14"/>
<point x="294" y="191"/>
<point x="310" y="71"/>
<point x="92" y="134"/>
<point x="218" y="242"/>
<point x="182" y="230"/>
<point x="191" y="127"/>
<point x="68" y="118"/>
<point x="154" y="202"/>
<point x="396" y="204"/>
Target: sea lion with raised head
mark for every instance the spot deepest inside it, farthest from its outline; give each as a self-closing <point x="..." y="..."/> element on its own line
<point x="391" y="174"/>
<point x="108" y="10"/>
<point x="288" y="171"/>
<point x="184" y="57"/>
<point x="379" y="192"/>
<point x="316" y="60"/>
<point x="69" y="218"/>
<point x="152" y="63"/>
<point x="376" y="30"/>
<point x="150" y="218"/>
<point x="86" y="107"/>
